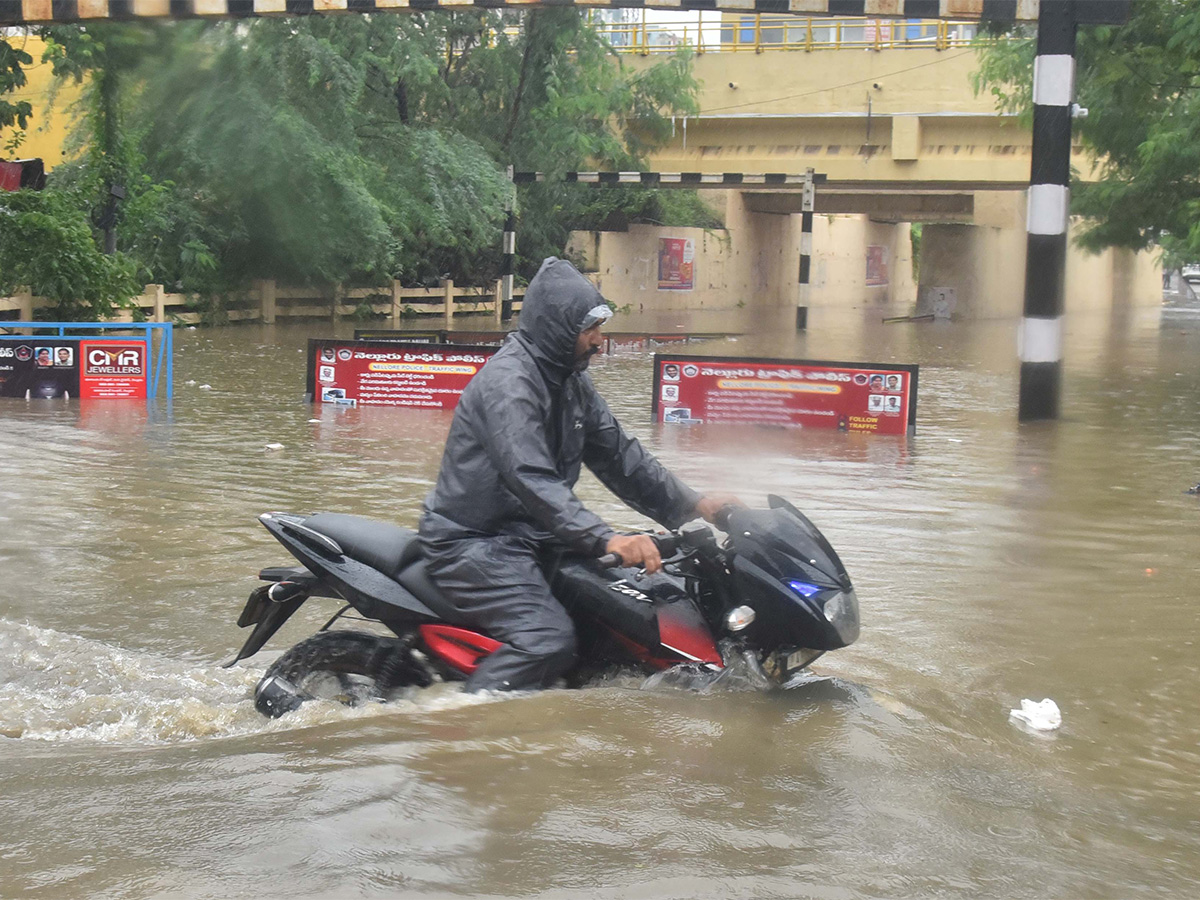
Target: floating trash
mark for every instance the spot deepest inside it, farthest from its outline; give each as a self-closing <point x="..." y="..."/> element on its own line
<point x="1043" y="716"/>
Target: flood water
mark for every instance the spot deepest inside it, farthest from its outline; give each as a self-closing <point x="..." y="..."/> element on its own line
<point x="992" y="562"/>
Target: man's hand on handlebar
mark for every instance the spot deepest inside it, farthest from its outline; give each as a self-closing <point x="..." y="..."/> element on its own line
<point x="710" y="505"/>
<point x="636" y="550"/>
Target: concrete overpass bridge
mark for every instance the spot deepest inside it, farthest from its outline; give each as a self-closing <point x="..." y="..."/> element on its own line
<point x="898" y="132"/>
<point x="901" y="137"/>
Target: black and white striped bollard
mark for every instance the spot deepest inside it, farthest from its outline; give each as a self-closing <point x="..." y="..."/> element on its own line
<point x="1039" y="344"/>
<point x="806" y="227"/>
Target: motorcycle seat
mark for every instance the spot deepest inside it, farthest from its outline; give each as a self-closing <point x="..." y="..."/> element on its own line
<point x="390" y="549"/>
<point x="415" y="578"/>
<point x="380" y="545"/>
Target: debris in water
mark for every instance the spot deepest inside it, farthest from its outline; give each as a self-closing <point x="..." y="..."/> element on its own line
<point x="274" y="446"/>
<point x="314" y="421"/>
<point x="190" y="381"/>
<point x="1193" y="490"/>
<point x="206" y="387"/>
<point x="1043" y="716"/>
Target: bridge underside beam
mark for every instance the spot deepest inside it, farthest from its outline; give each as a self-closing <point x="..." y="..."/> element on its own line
<point x="40" y="12"/>
<point x="891" y="206"/>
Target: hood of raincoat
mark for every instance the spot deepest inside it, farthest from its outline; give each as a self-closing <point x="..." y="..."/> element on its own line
<point x="557" y="303"/>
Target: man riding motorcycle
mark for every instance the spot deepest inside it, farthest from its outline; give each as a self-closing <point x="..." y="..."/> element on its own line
<point x="504" y="496"/>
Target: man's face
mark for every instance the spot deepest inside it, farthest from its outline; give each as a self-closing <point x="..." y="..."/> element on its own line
<point x="587" y="345"/>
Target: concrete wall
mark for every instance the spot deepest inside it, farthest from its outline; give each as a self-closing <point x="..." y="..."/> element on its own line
<point x="985" y="265"/>
<point x="754" y="261"/>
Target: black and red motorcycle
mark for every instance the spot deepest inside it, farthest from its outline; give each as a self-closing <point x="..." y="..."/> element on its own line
<point x="773" y="595"/>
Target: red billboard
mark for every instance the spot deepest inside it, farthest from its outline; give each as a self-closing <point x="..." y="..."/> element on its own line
<point x="866" y="397"/>
<point x="386" y="373"/>
<point x="112" y="369"/>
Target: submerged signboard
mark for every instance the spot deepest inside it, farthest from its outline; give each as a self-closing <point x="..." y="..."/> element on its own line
<point x="867" y="397"/>
<point x="49" y="367"/>
<point x="386" y="373"/>
<point x="112" y="370"/>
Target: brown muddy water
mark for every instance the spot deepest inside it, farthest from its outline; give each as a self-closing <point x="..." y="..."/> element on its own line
<point x="993" y="563"/>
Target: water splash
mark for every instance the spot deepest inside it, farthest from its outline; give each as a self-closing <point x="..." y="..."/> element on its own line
<point x="60" y="687"/>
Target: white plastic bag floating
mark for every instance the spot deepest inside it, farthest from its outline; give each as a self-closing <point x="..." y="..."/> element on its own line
<point x="1044" y="716"/>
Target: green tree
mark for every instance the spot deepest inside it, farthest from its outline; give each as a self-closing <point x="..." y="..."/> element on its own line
<point x="46" y="245"/>
<point x="356" y="148"/>
<point x="12" y="76"/>
<point x="1139" y="84"/>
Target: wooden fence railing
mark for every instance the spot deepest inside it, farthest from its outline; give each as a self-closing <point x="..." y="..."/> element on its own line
<point x="268" y="302"/>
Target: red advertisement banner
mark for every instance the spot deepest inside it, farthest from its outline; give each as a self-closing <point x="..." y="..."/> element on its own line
<point x="112" y="369"/>
<point x="386" y="373"/>
<point x="864" y="397"/>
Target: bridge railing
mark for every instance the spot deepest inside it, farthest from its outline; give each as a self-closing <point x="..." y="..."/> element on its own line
<point x="760" y="33"/>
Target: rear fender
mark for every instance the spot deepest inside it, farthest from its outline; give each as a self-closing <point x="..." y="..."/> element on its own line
<point x="368" y="590"/>
<point x="267" y="616"/>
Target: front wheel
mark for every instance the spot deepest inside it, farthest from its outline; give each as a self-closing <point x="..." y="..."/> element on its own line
<point x="348" y="666"/>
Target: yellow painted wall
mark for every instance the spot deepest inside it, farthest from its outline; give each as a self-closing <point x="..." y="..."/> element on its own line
<point x="835" y="110"/>
<point x="985" y="264"/>
<point x="755" y="262"/>
<point x="48" y="130"/>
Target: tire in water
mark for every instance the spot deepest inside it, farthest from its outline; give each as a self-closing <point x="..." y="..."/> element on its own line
<point x="364" y="666"/>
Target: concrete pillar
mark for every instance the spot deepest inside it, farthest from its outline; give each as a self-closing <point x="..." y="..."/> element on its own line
<point x="339" y="296"/>
<point x="397" y="303"/>
<point x="24" y="299"/>
<point x="449" y="302"/>
<point x="498" y="301"/>
<point x="157" y="298"/>
<point x="267" y="299"/>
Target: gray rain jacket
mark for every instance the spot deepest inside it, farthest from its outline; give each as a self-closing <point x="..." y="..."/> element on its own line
<point x="526" y="423"/>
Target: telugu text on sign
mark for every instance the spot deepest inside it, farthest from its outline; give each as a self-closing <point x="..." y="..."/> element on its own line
<point x="865" y="397"/>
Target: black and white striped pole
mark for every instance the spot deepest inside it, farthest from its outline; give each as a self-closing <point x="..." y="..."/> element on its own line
<point x="807" y="200"/>
<point x="1039" y="343"/>
<point x="510" y="251"/>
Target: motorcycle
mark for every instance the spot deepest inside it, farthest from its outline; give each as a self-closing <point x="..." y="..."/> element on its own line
<point x="772" y="595"/>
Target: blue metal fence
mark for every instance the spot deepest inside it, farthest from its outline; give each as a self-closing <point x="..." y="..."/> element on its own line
<point x="159" y="359"/>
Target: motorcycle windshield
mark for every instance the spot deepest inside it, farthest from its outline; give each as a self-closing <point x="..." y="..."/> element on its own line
<point x="783" y="541"/>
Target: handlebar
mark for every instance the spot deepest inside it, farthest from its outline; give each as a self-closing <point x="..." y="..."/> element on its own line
<point x="721" y="518"/>
<point x="668" y="545"/>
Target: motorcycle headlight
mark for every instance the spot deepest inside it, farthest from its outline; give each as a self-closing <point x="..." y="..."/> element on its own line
<point x="841" y="611"/>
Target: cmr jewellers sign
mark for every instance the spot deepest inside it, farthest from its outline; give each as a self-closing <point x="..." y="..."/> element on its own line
<point x="113" y="369"/>
<point x="114" y="360"/>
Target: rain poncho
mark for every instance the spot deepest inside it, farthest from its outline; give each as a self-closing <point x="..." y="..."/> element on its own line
<point x="523" y="428"/>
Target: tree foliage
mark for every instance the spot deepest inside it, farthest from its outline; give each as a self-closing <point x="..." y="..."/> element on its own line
<point x="1139" y="84"/>
<point x="12" y="76"/>
<point x="46" y="245"/>
<point x="356" y="148"/>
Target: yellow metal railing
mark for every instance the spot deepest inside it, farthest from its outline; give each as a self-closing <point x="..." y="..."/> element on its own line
<point x="757" y="34"/>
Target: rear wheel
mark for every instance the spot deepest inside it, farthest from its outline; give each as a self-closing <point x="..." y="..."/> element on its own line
<point x="347" y="666"/>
